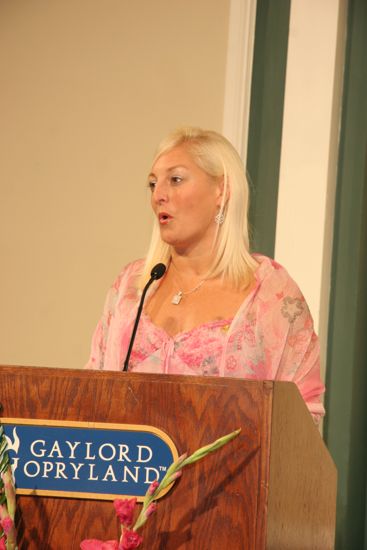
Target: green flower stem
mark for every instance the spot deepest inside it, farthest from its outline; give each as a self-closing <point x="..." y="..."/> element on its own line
<point x="4" y="458"/>
<point x="174" y="471"/>
<point x="7" y="493"/>
<point x="203" y="451"/>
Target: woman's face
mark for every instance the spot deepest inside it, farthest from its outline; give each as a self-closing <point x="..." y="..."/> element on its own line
<point x="185" y="200"/>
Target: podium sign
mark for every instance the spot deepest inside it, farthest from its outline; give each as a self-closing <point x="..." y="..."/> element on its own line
<point x="84" y="460"/>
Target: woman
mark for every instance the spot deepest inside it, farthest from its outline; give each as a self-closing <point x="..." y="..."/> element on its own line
<point x="218" y="310"/>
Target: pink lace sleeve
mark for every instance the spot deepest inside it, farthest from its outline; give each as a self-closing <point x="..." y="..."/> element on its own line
<point x="302" y="353"/>
<point x="106" y="341"/>
<point x="284" y="345"/>
<point x="300" y="358"/>
<point x="100" y="335"/>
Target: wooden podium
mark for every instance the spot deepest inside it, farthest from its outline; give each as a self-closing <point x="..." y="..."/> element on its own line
<point x="272" y="487"/>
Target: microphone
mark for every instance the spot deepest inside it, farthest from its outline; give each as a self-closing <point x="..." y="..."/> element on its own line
<point x="157" y="272"/>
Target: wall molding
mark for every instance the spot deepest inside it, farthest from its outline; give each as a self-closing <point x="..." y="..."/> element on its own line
<point x="241" y="36"/>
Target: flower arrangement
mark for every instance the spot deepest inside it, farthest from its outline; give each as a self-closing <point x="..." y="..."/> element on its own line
<point x="7" y="499"/>
<point x="124" y="508"/>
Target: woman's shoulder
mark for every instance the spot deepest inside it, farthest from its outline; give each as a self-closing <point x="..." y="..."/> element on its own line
<point x="279" y="296"/>
<point x="273" y="278"/>
<point x="126" y="281"/>
<point x="129" y="271"/>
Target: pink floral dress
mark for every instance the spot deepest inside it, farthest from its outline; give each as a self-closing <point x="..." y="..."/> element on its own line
<point x="271" y="337"/>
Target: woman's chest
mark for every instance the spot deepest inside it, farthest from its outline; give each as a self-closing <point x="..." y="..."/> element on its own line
<point x="176" y="313"/>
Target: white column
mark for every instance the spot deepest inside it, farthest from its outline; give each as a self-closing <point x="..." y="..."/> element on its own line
<point x="309" y="149"/>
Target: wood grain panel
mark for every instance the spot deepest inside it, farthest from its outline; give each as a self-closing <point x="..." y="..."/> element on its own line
<point x="302" y="499"/>
<point x="221" y="499"/>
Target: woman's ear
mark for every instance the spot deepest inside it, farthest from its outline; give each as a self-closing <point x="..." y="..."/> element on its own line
<point x="223" y="190"/>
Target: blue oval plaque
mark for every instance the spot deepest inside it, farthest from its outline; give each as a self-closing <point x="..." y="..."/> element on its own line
<point x="84" y="460"/>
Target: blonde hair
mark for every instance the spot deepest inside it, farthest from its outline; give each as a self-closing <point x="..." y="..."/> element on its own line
<point x="214" y="154"/>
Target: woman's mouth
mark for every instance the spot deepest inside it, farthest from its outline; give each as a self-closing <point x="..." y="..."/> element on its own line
<point x="164" y="218"/>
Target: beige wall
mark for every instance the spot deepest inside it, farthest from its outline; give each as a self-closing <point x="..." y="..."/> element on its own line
<point x="87" y="88"/>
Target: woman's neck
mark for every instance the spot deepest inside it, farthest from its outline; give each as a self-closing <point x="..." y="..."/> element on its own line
<point x="198" y="265"/>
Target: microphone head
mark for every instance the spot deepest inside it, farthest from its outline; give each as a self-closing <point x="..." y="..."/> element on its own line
<point x="158" y="271"/>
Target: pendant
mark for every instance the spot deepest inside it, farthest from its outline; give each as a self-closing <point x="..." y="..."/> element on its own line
<point x="177" y="298"/>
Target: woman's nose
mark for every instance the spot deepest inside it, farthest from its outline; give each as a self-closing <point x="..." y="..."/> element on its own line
<point x="160" y="193"/>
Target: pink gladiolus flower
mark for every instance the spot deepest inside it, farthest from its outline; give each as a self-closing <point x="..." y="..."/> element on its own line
<point x="7" y="524"/>
<point x="176" y="475"/>
<point x="2" y="544"/>
<point x="91" y="544"/>
<point x="153" y="486"/>
<point x="151" y="509"/>
<point x="94" y="544"/>
<point x="125" y="510"/>
<point x="130" y="540"/>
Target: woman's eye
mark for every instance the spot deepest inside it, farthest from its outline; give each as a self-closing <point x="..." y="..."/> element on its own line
<point x="151" y="185"/>
<point x="176" y="179"/>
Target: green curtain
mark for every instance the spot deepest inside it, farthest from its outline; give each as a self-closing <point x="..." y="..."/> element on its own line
<point x="266" y="118"/>
<point x="346" y="398"/>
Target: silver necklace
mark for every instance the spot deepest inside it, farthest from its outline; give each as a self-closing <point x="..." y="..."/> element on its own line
<point x="180" y="293"/>
<point x="178" y="296"/>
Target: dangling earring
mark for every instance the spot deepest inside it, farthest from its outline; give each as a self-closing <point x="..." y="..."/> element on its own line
<point x="219" y="218"/>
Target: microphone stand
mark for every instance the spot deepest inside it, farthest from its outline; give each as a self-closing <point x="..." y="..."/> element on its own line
<point x="156" y="273"/>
